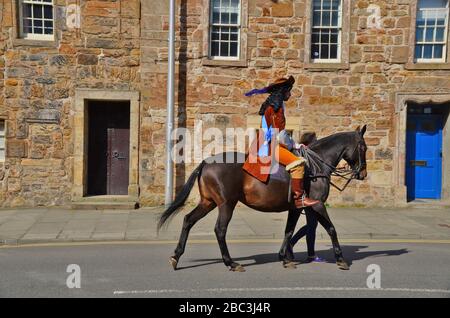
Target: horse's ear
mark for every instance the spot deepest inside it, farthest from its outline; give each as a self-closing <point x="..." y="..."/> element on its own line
<point x="363" y="130"/>
<point x="358" y="129"/>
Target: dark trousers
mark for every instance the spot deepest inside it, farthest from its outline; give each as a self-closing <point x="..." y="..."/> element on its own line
<point x="309" y="230"/>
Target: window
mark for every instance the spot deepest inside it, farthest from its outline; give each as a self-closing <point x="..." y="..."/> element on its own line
<point x="36" y="19"/>
<point x="326" y="31"/>
<point x="225" y="29"/>
<point x="431" y="31"/>
<point x="2" y="140"/>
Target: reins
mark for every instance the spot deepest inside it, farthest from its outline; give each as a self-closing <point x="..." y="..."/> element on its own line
<point x="343" y="173"/>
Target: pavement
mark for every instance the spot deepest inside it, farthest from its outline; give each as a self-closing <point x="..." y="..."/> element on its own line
<point x="40" y="225"/>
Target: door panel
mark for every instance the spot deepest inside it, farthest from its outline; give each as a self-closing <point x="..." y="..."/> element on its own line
<point x="118" y="160"/>
<point x="423" y="157"/>
<point x="109" y="143"/>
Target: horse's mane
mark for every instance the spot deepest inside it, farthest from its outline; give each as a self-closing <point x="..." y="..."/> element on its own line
<point x="324" y="140"/>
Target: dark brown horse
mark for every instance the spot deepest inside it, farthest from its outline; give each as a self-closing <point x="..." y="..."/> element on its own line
<point x="224" y="184"/>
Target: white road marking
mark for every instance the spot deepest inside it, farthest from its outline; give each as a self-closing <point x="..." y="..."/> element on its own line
<point x="290" y="289"/>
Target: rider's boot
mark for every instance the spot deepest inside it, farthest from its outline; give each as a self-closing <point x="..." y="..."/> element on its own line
<point x="297" y="171"/>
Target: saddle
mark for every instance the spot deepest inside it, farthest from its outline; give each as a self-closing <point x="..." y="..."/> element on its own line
<point x="261" y="167"/>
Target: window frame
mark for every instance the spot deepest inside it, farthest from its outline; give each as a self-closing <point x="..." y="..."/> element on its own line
<point x="35" y="36"/>
<point x="444" y="42"/>
<point x="220" y="25"/>
<point x="342" y="62"/>
<point x="412" y="63"/>
<point x="241" y="61"/>
<point x="339" y="28"/>
<point x="3" y="135"/>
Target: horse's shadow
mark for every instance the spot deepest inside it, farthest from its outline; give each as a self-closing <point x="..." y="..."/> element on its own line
<point x="351" y="253"/>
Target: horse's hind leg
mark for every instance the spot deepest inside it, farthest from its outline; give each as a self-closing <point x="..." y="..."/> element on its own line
<point x="286" y="253"/>
<point x="202" y="209"/>
<point x="225" y="213"/>
<point x="325" y="221"/>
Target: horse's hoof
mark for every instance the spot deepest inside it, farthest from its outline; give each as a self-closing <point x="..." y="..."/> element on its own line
<point x="290" y="265"/>
<point x="237" y="268"/>
<point x="173" y="262"/>
<point x="343" y="265"/>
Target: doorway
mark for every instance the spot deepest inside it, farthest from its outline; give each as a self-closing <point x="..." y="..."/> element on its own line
<point x="108" y="147"/>
<point x="424" y="149"/>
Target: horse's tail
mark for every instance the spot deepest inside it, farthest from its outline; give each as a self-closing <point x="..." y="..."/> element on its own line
<point x="181" y="198"/>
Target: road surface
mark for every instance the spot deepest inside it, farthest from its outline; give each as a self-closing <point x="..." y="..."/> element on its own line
<point x="141" y="269"/>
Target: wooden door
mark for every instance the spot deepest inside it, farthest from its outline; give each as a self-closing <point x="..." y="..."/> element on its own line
<point x="109" y="144"/>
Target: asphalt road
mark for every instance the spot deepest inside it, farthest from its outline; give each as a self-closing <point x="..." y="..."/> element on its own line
<point x="142" y="270"/>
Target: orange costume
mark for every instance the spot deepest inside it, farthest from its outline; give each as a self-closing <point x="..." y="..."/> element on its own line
<point x="274" y="120"/>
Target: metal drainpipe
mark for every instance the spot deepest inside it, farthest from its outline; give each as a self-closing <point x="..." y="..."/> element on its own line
<point x="170" y="104"/>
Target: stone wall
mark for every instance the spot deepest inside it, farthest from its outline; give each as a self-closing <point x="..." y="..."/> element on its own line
<point x="38" y="82"/>
<point x="325" y="100"/>
<point x="122" y="44"/>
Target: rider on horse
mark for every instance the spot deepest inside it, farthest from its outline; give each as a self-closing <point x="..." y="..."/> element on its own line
<point x="272" y="113"/>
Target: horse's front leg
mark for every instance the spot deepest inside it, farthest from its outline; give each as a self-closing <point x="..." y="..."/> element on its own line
<point x="286" y="253"/>
<point x="325" y="221"/>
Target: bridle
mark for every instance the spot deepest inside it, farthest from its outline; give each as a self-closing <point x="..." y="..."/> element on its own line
<point x="349" y="174"/>
<point x="343" y="173"/>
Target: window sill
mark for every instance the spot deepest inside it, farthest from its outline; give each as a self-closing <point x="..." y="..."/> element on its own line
<point x="231" y="63"/>
<point x="326" y="66"/>
<point x="30" y="42"/>
<point x="427" y="66"/>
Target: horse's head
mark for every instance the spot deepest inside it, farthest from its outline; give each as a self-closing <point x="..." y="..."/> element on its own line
<point x="355" y="154"/>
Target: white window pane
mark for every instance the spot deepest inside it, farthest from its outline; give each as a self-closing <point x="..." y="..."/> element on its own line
<point x="315" y="37"/>
<point x="215" y="48"/>
<point x="2" y="154"/>
<point x="335" y="4"/>
<point x="420" y="18"/>
<point x="438" y="50"/>
<point x="440" y="34"/>
<point x="326" y="5"/>
<point x="48" y="12"/>
<point x="315" y="51"/>
<point x="326" y="18"/>
<point x="316" y="18"/>
<point x="224" y="48"/>
<point x="418" y="51"/>
<point x="225" y="34"/>
<point x="429" y="34"/>
<point x="216" y="5"/>
<point x="216" y="17"/>
<point x="334" y="37"/>
<point x="37" y="11"/>
<point x="234" y="49"/>
<point x="432" y="3"/>
<point x="234" y="18"/>
<point x="428" y="51"/>
<point x="26" y="10"/>
<point x="2" y="142"/>
<point x="334" y="18"/>
<point x="333" y="51"/>
<point x="419" y="34"/>
<point x="324" y="51"/>
<point x="215" y="34"/>
<point x="316" y="5"/>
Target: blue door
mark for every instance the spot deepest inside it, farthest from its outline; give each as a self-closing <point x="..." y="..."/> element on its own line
<point x="424" y="157"/>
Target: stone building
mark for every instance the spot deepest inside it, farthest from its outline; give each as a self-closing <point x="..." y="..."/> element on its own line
<point x="83" y="90"/>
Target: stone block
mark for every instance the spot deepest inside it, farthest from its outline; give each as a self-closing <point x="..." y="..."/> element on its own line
<point x="16" y="149"/>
